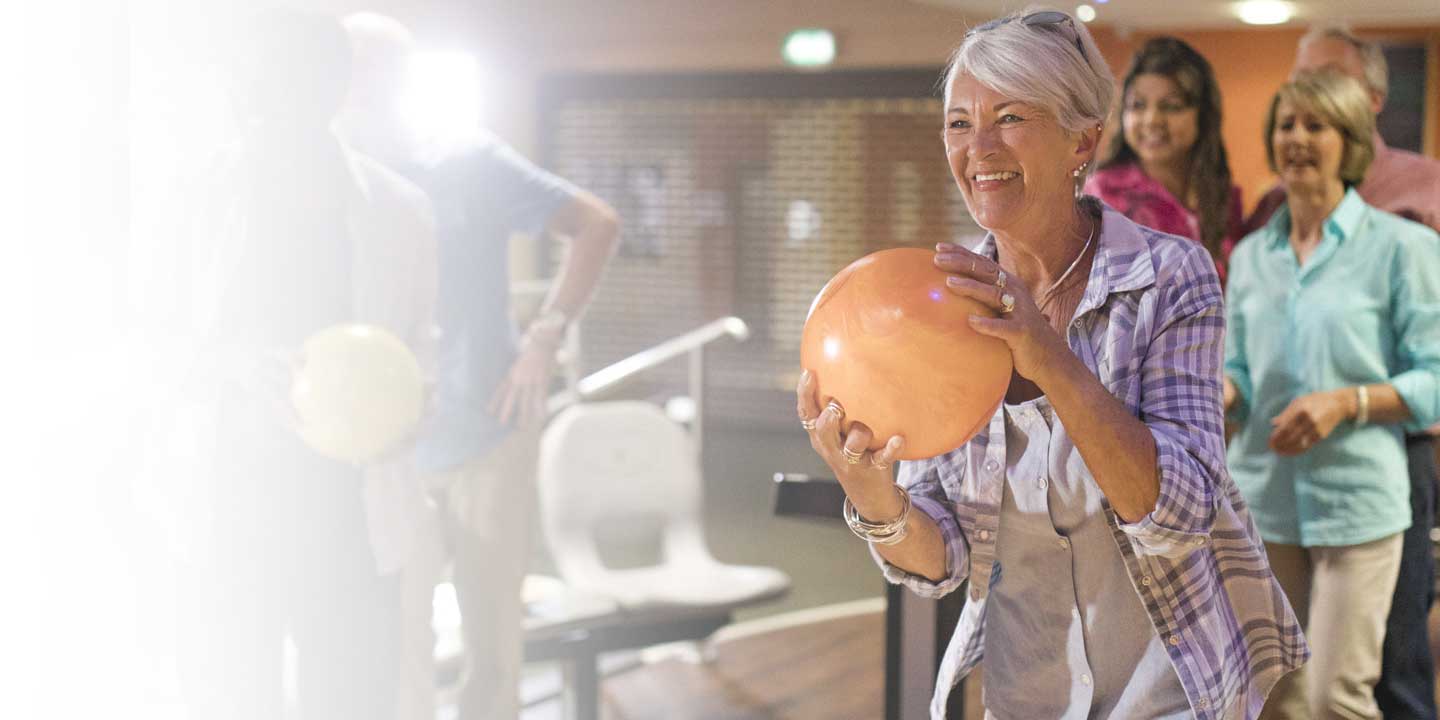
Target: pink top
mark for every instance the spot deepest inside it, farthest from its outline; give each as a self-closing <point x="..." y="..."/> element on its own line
<point x="1403" y="183"/>
<point x="1144" y="200"/>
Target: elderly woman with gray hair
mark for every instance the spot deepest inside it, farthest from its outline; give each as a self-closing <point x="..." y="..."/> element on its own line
<point x="1113" y="568"/>
<point x="1333" y="351"/>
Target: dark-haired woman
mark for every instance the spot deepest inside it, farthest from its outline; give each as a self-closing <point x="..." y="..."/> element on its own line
<point x="1167" y="168"/>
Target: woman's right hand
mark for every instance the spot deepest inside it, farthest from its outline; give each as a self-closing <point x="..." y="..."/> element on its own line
<point x="1229" y="394"/>
<point x="864" y="475"/>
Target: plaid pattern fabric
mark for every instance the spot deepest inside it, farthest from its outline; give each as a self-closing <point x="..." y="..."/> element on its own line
<point x="1151" y="327"/>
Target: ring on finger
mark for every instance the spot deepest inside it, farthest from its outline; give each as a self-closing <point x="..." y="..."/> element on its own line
<point x="1001" y="279"/>
<point x="1007" y="303"/>
<point x="877" y="464"/>
<point x="851" y="456"/>
<point x="835" y="408"/>
<point x="807" y="423"/>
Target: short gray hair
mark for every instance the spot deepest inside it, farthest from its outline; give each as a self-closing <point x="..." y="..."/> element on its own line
<point x="1377" y="71"/>
<point x="1041" y="65"/>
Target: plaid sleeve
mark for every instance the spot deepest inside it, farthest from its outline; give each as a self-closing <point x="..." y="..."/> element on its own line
<point x="1181" y="402"/>
<point x="921" y="478"/>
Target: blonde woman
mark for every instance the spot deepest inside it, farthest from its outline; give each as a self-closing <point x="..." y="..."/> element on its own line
<point x="1333" y="351"/>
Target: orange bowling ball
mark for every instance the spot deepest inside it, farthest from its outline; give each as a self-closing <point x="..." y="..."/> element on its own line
<point x="887" y="339"/>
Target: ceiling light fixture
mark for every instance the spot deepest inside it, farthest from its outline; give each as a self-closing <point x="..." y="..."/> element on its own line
<point x="1264" y="12"/>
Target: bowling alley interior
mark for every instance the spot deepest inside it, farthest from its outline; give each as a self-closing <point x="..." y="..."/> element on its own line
<point x="438" y="359"/>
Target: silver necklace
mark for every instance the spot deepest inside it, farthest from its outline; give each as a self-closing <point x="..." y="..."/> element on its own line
<point x="1094" y="231"/>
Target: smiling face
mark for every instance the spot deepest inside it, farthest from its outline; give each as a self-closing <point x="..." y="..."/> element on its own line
<point x="1307" y="149"/>
<point x="1158" y="122"/>
<point x="1011" y="159"/>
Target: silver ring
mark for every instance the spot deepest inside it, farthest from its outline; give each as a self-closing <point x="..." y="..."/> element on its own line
<point x="1000" y="280"/>
<point x="1007" y="303"/>
<point x="835" y="406"/>
<point x="851" y="457"/>
<point x="807" y="423"/>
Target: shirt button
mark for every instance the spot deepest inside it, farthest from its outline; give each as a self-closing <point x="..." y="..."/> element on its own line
<point x="1084" y="679"/>
<point x="1145" y="581"/>
<point x="1174" y="640"/>
<point x="983" y="534"/>
<point x="1063" y="543"/>
<point x="991" y="466"/>
<point x="1040" y="483"/>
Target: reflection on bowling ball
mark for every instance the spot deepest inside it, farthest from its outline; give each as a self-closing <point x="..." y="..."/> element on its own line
<point x="891" y="343"/>
<point x="357" y="393"/>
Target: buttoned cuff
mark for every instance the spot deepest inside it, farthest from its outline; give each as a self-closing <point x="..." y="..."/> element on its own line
<point x="1418" y="388"/>
<point x="957" y="554"/>
<point x="1184" y="511"/>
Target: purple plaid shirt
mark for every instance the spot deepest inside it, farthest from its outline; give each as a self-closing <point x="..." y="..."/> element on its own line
<point x="1151" y="327"/>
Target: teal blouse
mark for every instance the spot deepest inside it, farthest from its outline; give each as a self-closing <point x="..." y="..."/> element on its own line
<point x="1364" y="309"/>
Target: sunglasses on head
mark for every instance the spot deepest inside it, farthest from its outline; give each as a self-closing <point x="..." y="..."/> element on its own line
<point x="1042" y="18"/>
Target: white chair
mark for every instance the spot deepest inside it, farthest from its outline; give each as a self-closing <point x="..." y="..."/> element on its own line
<point x="607" y="460"/>
<point x="602" y="462"/>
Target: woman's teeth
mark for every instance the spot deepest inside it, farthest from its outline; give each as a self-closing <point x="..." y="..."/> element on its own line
<point x="982" y="177"/>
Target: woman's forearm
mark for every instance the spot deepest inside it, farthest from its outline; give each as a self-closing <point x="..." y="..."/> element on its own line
<point x="922" y="552"/>
<point x="1117" y="447"/>
<point x="1386" y="407"/>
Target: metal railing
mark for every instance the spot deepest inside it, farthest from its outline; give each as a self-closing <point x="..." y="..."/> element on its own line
<point x="692" y="343"/>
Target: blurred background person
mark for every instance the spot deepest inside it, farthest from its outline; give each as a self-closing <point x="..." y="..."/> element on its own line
<point x="1398" y="181"/>
<point x="480" y="449"/>
<point x="1167" y="167"/>
<point x="1333" y="351"/>
<point x="1407" y="184"/>
<point x="293" y="233"/>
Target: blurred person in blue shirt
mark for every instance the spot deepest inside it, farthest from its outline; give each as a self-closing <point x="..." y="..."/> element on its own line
<point x="480" y="447"/>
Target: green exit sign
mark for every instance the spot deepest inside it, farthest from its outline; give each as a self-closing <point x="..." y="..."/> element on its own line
<point x="809" y="47"/>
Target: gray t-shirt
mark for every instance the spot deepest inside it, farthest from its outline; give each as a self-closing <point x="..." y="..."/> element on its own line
<point x="1065" y="633"/>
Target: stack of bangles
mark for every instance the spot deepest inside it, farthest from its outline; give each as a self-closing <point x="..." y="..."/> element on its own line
<point x="886" y="533"/>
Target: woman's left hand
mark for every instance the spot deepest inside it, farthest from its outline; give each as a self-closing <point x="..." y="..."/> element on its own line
<point x="1033" y="343"/>
<point x="1307" y="420"/>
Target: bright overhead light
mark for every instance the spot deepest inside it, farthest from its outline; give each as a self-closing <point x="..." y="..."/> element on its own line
<point x="1085" y="13"/>
<point x="810" y="47"/>
<point x="1264" y="12"/>
<point x="442" y="94"/>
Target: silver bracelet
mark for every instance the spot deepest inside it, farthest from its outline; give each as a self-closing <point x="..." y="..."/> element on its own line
<point x="886" y="533"/>
<point x="1362" y="404"/>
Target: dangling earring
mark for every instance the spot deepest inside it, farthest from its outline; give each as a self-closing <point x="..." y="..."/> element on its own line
<point x="1079" y="185"/>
